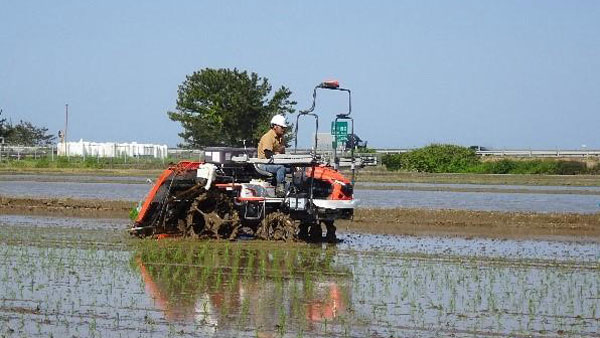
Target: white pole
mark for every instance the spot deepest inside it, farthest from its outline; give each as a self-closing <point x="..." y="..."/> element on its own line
<point x="66" y="128"/>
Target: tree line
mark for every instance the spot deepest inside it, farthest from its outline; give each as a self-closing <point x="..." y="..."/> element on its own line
<point x="449" y="158"/>
<point x="24" y="133"/>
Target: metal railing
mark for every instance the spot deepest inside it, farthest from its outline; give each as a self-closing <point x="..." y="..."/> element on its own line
<point x="541" y="153"/>
<point x="515" y="152"/>
<point x="22" y="152"/>
<point x="16" y="152"/>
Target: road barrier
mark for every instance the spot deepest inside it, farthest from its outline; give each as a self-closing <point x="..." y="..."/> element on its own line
<point x="15" y="152"/>
<point x="515" y="153"/>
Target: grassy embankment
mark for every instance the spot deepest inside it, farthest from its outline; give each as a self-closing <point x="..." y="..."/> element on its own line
<point x="447" y="158"/>
<point x="88" y="166"/>
<point x="88" y="163"/>
<point x="152" y="168"/>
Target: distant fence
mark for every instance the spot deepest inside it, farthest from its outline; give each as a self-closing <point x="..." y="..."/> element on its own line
<point x="541" y="153"/>
<point x="15" y="152"/>
<point x="111" y="149"/>
<point x="19" y="152"/>
<point x="142" y="151"/>
<point x="516" y="153"/>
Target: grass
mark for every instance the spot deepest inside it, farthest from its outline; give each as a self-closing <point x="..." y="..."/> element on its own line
<point x="448" y="158"/>
<point x="81" y="171"/>
<point x="88" y="163"/>
<point x="370" y="174"/>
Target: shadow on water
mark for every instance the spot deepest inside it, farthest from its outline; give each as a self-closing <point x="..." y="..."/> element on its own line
<point x="244" y="286"/>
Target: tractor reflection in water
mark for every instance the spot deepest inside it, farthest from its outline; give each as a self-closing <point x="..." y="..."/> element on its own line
<point x="223" y="287"/>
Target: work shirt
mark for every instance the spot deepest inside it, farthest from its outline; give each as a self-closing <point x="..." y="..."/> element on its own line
<point x="269" y="141"/>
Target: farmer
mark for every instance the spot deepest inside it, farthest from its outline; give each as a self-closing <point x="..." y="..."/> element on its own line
<point x="272" y="143"/>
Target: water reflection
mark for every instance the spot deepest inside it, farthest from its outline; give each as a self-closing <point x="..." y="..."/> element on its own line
<point x="228" y="286"/>
<point x="498" y="201"/>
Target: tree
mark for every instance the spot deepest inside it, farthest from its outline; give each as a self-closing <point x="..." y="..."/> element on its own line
<point x="434" y="158"/>
<point x="225" y="107"/>
<point x="4" y="127"/>
<point x="24" y="133"/>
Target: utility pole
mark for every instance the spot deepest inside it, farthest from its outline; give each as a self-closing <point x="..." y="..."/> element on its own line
<point x="2" y="143"/>
<point x="66" y="127"/>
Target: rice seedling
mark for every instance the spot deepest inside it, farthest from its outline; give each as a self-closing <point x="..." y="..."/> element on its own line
<point x="87" y="289"/>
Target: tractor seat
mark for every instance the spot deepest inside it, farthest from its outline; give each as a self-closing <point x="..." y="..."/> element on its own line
<point x="261" y="171"/>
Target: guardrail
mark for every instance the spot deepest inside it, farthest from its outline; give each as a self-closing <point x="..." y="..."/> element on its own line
<point x="392" y="150"/>
<point x="20" y="152"/>
<point x="516" y="153"/>
<point x="541" y="153"/>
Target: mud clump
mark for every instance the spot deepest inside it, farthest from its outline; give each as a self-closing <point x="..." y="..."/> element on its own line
<point x="277" y="226"/>
<point x="65" y="207"/>
<point x="467" y="223"/>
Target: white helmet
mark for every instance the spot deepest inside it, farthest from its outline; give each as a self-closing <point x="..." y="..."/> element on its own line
<point x="279" y="120"/>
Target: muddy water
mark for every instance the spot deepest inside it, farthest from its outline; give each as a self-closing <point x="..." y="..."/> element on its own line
<point x="571" y="203"/>
<point x="78" y="277"/>
<point x="359" y="185"/>
<point x="496" y="201"/>
<point x="73" y="178"/>
<point x="480" y="186"/>
<point x="77" y="190"/>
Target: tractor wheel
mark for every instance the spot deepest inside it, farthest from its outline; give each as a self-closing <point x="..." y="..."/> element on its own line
<point x="330" y="237"/>
<point x="303" y="232"/>
<point x="277" y="226"/>
<point x="315" y="233"/>
<point x="212" y="215"/>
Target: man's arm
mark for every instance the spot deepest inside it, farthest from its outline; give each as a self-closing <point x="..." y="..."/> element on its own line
<point x="275" y="149"/>
<point x="281" y="149"/>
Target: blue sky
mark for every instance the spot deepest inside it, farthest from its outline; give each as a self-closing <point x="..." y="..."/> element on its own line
<point x="503" y="74"/>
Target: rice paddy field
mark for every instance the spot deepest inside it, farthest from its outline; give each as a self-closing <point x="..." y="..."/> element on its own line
<point x="73" y="271"/>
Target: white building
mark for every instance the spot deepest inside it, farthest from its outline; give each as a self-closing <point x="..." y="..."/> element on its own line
<point x="111" y="149"/>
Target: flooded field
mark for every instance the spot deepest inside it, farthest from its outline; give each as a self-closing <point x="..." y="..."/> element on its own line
<point x="480" y="201"/>
<point x="78" y="190"/>
<point x="73" y="178"/>
<point x="456" y="264"/>
<point x="480" y="187"/>
<point x="84" y="277"/>
<point x="406" y="195"/>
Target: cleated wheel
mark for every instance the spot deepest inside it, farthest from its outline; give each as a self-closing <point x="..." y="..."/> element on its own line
<point x="315" y="233"/>
<point x="330" y="237"/>
<point x="211" y="215"/>
<point x="277" y="226"/>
